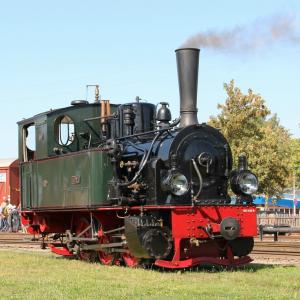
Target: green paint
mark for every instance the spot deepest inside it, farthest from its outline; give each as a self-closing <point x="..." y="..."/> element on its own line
<point x="64" y="176"/>
<point x="77" y="180"/>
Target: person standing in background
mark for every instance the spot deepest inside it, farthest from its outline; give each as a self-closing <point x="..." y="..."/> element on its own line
<point x="4" y="214"/>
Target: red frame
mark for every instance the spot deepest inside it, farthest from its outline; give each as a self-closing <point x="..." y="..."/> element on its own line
<point x="193" y="217"/>
<point x="187" y="222"/>
<point x="202" y="216"/>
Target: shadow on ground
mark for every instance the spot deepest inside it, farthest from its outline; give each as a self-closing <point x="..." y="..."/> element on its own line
<point x="253" y="267"/>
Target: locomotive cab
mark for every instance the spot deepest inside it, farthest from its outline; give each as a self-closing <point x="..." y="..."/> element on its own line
<point x="55" y="155"/>
<point x="61" y="131"/>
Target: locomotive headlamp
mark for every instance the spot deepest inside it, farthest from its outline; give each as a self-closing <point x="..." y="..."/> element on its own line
<point x="248" y="183"/>
<point x="244" y="182"/>
<point x="179" y="184"/>
<point x="176" y="183"/>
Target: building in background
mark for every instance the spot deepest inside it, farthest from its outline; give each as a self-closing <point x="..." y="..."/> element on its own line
<point x="9" y="180"/>
<point x="288" y="203"/>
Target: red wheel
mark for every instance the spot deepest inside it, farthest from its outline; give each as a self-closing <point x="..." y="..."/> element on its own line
<point x="105" y="258"/>
<point x="129" y="260"/>
<point x="89" y="256"/>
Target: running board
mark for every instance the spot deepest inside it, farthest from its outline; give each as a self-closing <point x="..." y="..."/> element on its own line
<point x="62" y="250"/>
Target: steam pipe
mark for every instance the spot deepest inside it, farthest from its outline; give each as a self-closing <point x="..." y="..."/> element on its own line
<point x="187" y="69"/>
<point x="200" y="180"/>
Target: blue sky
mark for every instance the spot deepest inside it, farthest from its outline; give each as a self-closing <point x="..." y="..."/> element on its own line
<point x="51" y="50"/>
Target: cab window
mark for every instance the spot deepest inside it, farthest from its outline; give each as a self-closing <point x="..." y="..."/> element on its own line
<point x="29" y="142"/>
<point x="64" y="130"/>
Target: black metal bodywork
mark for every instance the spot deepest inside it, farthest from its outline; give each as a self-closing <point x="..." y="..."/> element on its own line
<point x="174" y="149"/>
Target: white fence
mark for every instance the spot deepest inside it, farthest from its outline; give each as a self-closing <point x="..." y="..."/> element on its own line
<point x="278" y="219"/>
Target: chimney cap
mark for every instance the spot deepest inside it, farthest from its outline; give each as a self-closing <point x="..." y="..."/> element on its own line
<point x="195" y="49"/>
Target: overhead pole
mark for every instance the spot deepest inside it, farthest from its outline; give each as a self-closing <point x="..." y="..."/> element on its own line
<point x="294" y="193"/>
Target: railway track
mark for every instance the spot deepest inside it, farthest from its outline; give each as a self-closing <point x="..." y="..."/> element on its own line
<point x="283" y="251"/>
<point x="287" y="249"/>
<point x="281" y="238"/>
<point x="10" y="240"/>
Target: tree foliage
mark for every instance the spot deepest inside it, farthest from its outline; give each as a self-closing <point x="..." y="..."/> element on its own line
<point x="245" y="121"/>
<point x="296" y="161"/>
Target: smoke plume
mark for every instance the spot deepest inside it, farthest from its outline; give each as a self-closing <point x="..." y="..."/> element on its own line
<point x="259" y="35"/>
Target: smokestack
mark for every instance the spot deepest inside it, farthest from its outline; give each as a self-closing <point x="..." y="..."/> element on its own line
<point x="187" y="69"/>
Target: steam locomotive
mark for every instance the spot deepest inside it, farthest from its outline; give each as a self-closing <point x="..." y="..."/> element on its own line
<point x="126" y="184"/>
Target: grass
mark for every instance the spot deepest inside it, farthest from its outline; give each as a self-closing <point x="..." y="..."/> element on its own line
<point x="44" y="276"/>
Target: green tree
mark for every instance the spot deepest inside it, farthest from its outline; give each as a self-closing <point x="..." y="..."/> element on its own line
<point x="243" y="120"/>
<point x="296" y="162"/>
